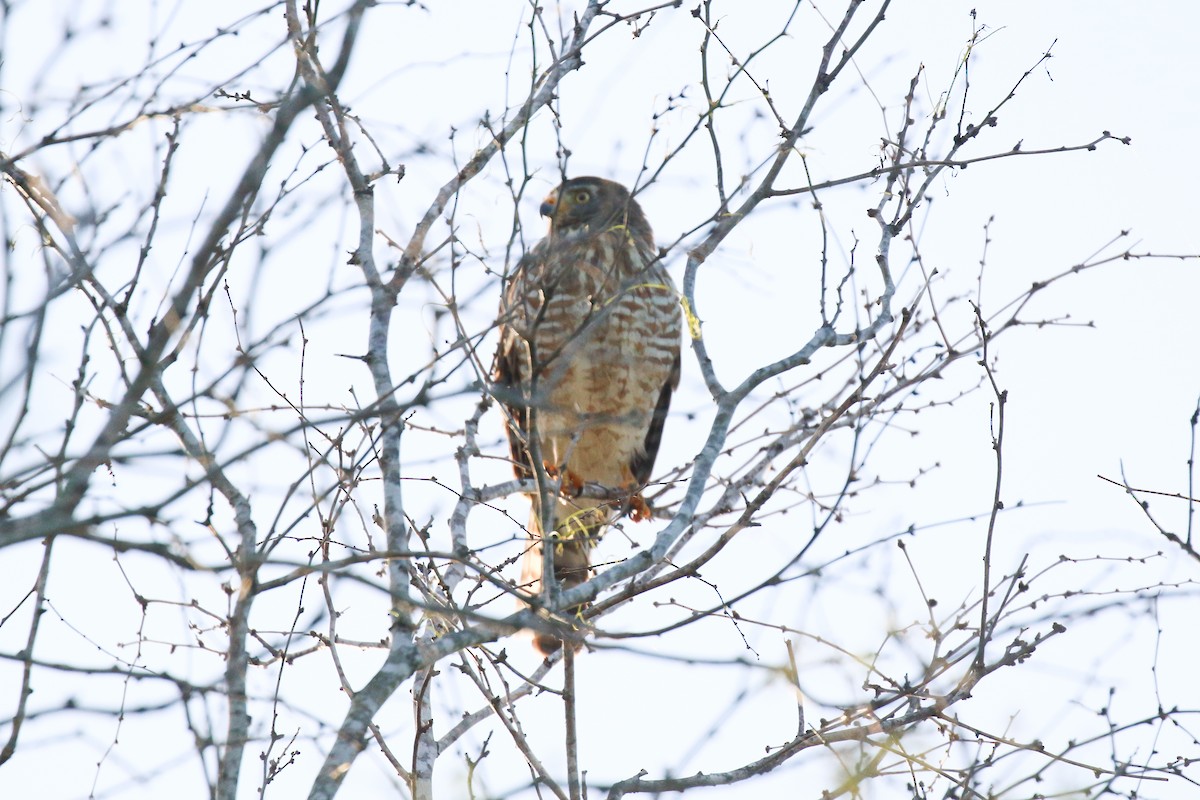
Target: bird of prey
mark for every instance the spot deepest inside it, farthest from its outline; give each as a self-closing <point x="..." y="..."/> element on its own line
<point x="589" y="355"/>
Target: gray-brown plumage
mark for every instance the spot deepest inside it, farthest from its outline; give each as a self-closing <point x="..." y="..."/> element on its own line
<point x="588" y="358"/>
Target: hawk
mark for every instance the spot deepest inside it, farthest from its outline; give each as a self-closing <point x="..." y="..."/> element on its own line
<point x="589" y="355"/>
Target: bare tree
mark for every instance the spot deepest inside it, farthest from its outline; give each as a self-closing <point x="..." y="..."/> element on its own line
<point x="259" y="528"/>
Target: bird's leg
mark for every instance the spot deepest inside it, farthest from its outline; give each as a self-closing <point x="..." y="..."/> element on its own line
<point x="639" y="509"/>
<point x="632" y="503"/>
<point x="571" y="484"/>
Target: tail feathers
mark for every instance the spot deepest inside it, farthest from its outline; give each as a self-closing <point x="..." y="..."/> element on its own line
<point x="577" y="530"/>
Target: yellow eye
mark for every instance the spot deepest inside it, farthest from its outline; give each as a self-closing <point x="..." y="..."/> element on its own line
<point x="582" y="196"/>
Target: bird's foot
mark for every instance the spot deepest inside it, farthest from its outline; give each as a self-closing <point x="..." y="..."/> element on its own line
<point x="639" y="509"/>
<point x="570" y="485"/>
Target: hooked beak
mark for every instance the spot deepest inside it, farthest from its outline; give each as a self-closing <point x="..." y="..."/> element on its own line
<point x="549" y="204"/>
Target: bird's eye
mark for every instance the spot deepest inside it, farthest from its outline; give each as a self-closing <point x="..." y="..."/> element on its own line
<point x="582" y="196"/>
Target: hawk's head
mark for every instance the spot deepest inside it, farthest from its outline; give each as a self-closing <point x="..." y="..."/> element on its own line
<point x="593" y="205"/>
